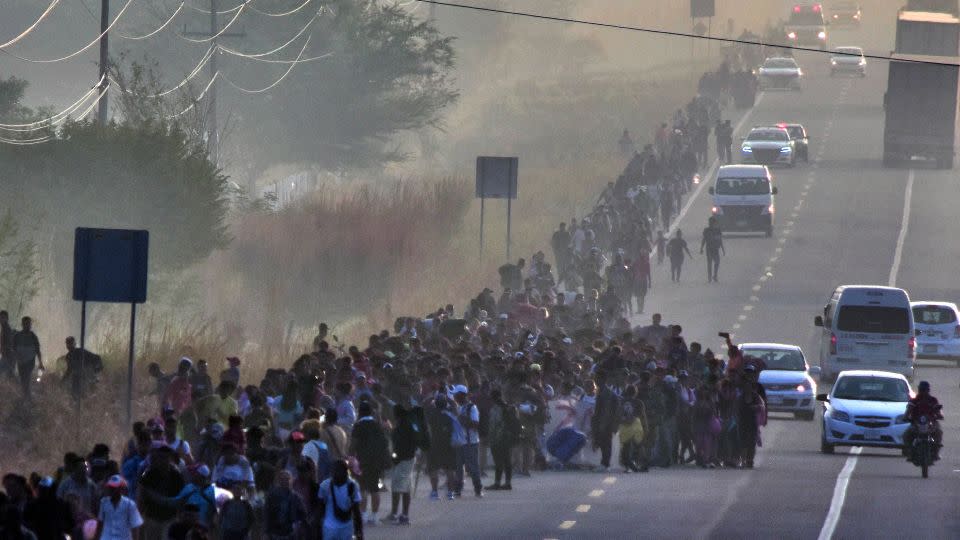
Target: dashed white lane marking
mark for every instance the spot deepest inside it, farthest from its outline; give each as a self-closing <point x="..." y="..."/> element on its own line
<point x="748" y="308"/>
<point x="839" y="495"/>
<point x="754" y="298"/>
<point x="736" y="326"/>
<point x="742" y="318"/>
<point x="610" y="480"/>
<point x="583" y="508"/>
<point x="756" y="288"/>
<point x="904" y="225"/>
<point x="596" y="493"/>
<point x="764" y="278"/>
<point x="774" y="259"/>
<point x="782" y="240"/>
<point x="566" y="525"/>
<point x="779" y="250"/>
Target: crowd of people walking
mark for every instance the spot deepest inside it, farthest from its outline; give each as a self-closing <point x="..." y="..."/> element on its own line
<point x="546" y="375"/>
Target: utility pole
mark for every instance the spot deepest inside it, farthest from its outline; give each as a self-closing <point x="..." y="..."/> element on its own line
<point x="213" y="128"/>
<point x="103" y="111"/>
<point x="213" y="133"/>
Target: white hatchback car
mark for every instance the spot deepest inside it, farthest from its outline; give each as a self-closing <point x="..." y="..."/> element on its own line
<point x="848" y="60"/>
<point x="939" y="326"/>
<point x="865" y="408"/>
<point x="786" y="378"/>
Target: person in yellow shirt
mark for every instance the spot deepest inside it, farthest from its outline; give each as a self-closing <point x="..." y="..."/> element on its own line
<point x="220" y="405"/>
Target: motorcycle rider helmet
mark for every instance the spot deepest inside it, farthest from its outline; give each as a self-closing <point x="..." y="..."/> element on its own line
<point x="923" y="387"/>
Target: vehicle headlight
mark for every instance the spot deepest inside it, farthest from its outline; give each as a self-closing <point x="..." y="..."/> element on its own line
<point x="822" y="35"/>
<point x="786" y="150"/>
<point x="792" y="35"/>
<point x="863" y="61"/>
<point x="805" y="386"/>
<point x="833" y="62"/>
<point x="717" y="210"/>
<point x="768" y="210"/>
<point x="746" y="149"/>
<point x="839" y="416"/>
<point x="902" y="419"/>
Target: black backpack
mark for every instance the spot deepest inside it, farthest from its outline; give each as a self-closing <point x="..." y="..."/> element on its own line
<point x="343" y="516"/>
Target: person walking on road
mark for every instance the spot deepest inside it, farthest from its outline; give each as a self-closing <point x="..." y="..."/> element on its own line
<point x="713" y="242"/>
<point x="606" y="419"/>
<point x="661" y="245"/>
<point x="676" y="248"/>
<point x="26" y="347"/>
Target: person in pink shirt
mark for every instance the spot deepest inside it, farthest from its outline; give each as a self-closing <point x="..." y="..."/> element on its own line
<point x="179" y="392"/>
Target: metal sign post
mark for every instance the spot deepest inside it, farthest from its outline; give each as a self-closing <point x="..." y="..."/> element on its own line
<point x="497" y="179"/>
<point x="110" y="265"/>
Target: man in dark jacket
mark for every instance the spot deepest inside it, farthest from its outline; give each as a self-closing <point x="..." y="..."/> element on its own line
<point x="369" y="443"/>
<point x="409" y="434"/>
<point x="48" y="516"/>
<point x="606" y="418"/>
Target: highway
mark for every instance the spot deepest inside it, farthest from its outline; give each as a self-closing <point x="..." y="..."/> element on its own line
<point x="840" y="219"/>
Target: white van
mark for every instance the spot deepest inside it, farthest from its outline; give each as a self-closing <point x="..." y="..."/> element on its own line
<point x="743" y="198"/>
<point x="867" y="327"/>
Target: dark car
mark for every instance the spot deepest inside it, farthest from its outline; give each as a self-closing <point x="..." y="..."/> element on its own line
<point x="800" y="139"/>
<point x="845" y="13"/>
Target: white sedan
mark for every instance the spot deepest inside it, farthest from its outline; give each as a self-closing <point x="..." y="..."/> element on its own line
<point x="786" y="378"/>
<point x="865" y="408"/>
<point x="848" y="60"/>
<point x="939" y="326"/>
<point x="780" y="73"/>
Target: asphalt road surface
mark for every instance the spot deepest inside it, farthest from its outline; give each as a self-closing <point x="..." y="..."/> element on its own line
<point x="840" y="220"/>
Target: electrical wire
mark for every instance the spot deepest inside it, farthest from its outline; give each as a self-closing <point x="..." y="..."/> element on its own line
<point x="278" y="81"/>
<point x="687" y="35"/>
<point x="50" y="120"/>
<point x="208" y="12"/>
<point x="284" y="14"/>
<point x="278" y="49"/>
<point x="76" y="53"/>
<point x="46" y="13"/>
<point x="197" y="99"/>
<point x="203" y="61"/>
<point x="269" y="61"/>
<point x="222" y="30"/>
<point x="39" y="140"/>
<point x="158" y="30"/>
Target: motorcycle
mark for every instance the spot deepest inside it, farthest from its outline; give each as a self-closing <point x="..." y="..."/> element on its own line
<point x="923" y="448"/>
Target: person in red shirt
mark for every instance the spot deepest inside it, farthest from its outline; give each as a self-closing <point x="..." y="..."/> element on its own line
<point x="179" y="392"/>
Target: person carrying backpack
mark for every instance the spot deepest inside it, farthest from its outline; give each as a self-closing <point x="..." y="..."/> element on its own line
<point x="236" y="516"/>
<point x="369" y="444"/>
<point x="504" y="432"/>
<point x="340" y="503"/>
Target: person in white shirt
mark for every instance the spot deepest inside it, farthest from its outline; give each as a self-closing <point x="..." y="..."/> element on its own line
<point x="340" y="499"/>
<point x="118" y="518"/>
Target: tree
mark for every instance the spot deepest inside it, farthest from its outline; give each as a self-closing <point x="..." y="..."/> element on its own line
<point x="20" y="278"/>
<point x="387" y="73"/>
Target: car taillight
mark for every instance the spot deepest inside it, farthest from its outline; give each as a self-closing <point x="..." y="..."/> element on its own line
<point x="833" y="344"/>
<point x="911" y="346"/>
<point x="956" y="332"/>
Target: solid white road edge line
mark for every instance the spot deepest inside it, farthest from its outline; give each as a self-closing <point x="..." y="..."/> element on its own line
<point x="839" y="495"/>
<point x="904" y="226"/>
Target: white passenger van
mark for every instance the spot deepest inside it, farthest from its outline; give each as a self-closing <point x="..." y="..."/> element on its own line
<point x="743" y="198"/>
<point x="867" y="327"/>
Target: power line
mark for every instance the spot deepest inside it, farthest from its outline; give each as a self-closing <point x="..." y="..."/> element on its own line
<point x="197" y="99"/>
<point x="193" y="73"/>
<point x="213" y="37"/>
<point x="269" y="61"/>
<point x="278" y="49"/>
<point x="216" y="12"/>
<point x="284" y="14"/>
<point x="278" y="81"/>
<point x="75" y="53"/>
<point x="614" y="26"/>
<point x="39" y="124"/>
<point x="158" y="30"/>
<point x="33" y="26"/>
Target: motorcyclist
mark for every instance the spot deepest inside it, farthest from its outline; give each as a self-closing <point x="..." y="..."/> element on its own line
<point x="924" y="404"/>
